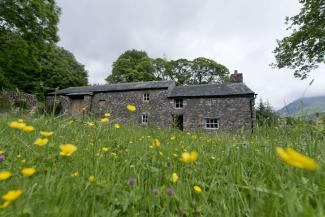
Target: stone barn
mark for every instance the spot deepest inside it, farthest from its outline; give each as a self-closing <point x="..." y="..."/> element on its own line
<point x="204" y="107"/>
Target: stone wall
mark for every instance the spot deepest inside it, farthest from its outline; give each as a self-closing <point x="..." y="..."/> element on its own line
<point x="14" y="96"/>
<point x="116" y="103"/>
<point x="234" y="113"/>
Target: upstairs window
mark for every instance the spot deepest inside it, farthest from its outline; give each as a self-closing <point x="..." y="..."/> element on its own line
<point x="144" y="118"/>
<point x="212" y="123"/>
<point x="178" y="103"/>
<point x="146" y="97"/>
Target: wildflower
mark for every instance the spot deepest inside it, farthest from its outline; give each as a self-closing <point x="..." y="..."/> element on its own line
<point x="296" y="159"/>
<point x="104" y="120"/>
<point x="132" y="181"/>
<point x="91" y="178"/>
<point x="174" y="177"/>
<point x="74" y="174"/>
<point x="12" y="195"/>
<point x="172" y="138"/>
<point x="5" y="175"/>
<point x="189" y="157"/>
<point x="17" y="125"/>
<point x="107" y="115"/>
<point x="156" y="142"/>
<point x="41" y="142"/>
<point x="28" y="171"/>
<point x="5" y="204"/>
<point x="2" y="158"/>
<point x="90" y="124"/>
<point x="28" y="129"/>
<point x="67" y="149"/>
<point x="117" y="126"/>
<point x="46" y="133"/>
<point x="170" y="192"/>
<point x="197" y="189"/>
<point x="23" y="161"/>
<point x="155" y="191"/>
<point x="131" y="108"/>
<point x="105" y="149"/>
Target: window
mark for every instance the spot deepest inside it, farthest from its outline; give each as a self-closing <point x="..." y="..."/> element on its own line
<point x="178" y="103"/>
<point x="146" y="97"/>
<point x="144" y="118"/>
<point x="212" y="123"/>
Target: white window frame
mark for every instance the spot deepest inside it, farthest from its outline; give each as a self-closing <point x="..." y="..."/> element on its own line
<point x="146" y="97"/>
<point x="144" y="118"/>
<point x="179" y="103"/>
<point x="211" y="123"/>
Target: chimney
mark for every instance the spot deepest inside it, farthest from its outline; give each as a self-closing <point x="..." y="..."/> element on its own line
<point x="236" y="77"/>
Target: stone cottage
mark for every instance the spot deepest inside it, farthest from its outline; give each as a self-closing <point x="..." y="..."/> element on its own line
<point x="204" y="107"/>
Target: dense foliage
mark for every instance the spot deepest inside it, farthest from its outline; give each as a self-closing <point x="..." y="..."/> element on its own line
<point x="304" y="49"/>
<point x="29" y="58"/>
<point x="135" y="65"/>
<point x="122" y="172"/>
<point x="130" y="66"/>
<point x="265" y="115"/>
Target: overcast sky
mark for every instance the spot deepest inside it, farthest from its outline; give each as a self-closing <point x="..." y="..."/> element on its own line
<point x="240" y="34"/>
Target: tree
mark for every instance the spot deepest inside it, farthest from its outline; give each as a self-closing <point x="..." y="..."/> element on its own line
<point x="162" y="69"/>
<point x="33" y="20"/>
<point x="59" y="68"/>
<point x="304" y="49"/>
<point x="265" y="116"/>
<point x="135" y="65"/>
<point x="132" y="66"/>
<point x="29" y="58"/>
<point x="27" y="67"/>
<point x="206" y="71"/>
<point x="181" y="71"/>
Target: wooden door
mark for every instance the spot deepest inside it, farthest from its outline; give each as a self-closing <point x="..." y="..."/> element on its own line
<point x="77" y="106"/>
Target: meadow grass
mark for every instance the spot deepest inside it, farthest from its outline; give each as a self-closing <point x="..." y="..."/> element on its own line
<point x="240" y="175"/>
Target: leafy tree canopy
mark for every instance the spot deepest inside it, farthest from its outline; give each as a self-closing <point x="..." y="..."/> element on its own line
<point x="29" y="58"/>
<point x="265" y="115"/>
<point x="135" y="65"/>
<point x="34" y="20"/>
<point x="304" y="49"/>
<point x="131" y="66"/>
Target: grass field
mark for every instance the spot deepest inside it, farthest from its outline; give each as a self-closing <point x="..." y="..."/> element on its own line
<point x="120" y="172"/>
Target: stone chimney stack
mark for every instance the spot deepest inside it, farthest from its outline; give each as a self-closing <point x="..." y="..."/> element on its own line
<point x="236" y="77"/>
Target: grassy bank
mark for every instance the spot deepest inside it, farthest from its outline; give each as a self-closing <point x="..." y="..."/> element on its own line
<point x="239" y="175"/>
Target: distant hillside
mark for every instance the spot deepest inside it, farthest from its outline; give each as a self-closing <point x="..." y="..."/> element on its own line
<point x="306" y="107"/>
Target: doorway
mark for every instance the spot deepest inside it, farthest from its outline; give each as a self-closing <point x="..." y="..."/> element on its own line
<point x="77" y="104"/>
<point x="178" y="121"/>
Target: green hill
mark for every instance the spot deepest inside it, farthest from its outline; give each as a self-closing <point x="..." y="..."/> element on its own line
<point x="306" y="107"/>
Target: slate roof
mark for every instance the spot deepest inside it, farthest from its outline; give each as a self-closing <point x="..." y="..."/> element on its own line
<point x="204" y="90"/>
<point x="84" y="90"/>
